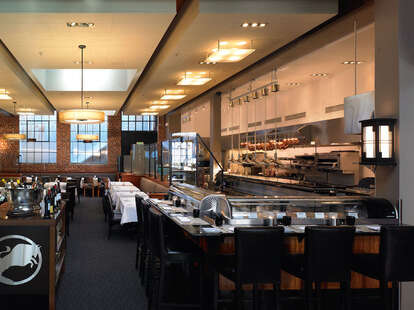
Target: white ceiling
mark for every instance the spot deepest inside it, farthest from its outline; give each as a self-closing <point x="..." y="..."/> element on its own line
<point x="329" y="58"/>
<point x="215" y="20"/>
<point x="118" y="41"/>
<point x="126" y="35"/>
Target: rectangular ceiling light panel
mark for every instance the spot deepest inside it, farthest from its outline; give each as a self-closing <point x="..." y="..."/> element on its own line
<point x="94" y="79"/>
<point x="229" y="54"/>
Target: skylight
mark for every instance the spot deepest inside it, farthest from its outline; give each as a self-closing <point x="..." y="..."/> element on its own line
<point x="94" y="79"/>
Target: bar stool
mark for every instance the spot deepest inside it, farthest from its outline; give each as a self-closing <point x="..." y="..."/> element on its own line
<point x="140" y="231"/>
<point x="145" y="252"/>
<point x="164" y="254"/>
<point x="393" y="263"/>
<point x="257" y="261"/>
<point x="327" y="258"/>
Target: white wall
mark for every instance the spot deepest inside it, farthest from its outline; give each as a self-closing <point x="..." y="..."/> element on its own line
<point x="312" y="98"/>
<point x="196" y="118"/>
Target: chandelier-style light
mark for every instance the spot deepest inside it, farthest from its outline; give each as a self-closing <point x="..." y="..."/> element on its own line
<point x="81" y="116"/>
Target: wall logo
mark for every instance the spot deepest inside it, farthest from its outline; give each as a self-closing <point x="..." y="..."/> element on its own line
<point x="20" y="260"/>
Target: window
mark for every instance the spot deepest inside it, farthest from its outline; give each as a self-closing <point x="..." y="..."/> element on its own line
<point x="40" y="146"/>
<point x="95" y="152"/>
<point x="139" y="122"/>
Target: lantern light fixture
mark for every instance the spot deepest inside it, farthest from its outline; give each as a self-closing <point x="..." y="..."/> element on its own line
<point x="378" y="141"/>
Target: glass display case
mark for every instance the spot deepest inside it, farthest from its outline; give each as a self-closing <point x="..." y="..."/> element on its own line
<point x="191" y="161"/>
<point x="151" y="160"/>
<point x="313" y="210"/>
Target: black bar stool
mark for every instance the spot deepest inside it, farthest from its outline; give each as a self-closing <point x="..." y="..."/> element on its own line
<point x="140" y="232"/>
<point x="327" y="258"/>
<point x="257" y="261"/>
<point x="393" y="263"/>
<point x="164" y="253"/>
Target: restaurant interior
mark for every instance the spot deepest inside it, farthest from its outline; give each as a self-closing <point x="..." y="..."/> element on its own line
<point x="202" y="154"/>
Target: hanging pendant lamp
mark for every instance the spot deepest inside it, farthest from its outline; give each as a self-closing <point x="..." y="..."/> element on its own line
<point x="81" y="116"/>
<point x="14" y="136"/>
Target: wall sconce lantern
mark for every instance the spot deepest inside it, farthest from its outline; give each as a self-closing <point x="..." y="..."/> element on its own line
<point x="378" y="141"/>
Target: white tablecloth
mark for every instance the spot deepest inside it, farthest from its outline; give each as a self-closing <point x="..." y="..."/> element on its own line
<point x="128" y="208"/>
<point x="116" y="197"/>
<point x="110" y="184"/>
<point x="49" y="185"/>
<point x="126" y="188"/>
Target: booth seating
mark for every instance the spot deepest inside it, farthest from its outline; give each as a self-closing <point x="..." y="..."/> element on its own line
<point x="152" y="188"/>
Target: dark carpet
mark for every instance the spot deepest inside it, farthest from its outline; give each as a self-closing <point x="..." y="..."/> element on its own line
<point x="100" y="273"/>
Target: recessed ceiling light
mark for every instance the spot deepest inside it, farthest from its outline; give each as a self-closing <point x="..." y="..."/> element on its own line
<point x="319" y="74"/>
<point x="174" y="94"/>
<point x="351" y="62"/>
<point x="157" y="102"/>
<point x="203" y="62"/>
<point x="77" y="62"/>
<point x="292" y="84"/>
<point x="159" y="107"/>
<point x="81" y="25"/>
<point x="254" y="25"/>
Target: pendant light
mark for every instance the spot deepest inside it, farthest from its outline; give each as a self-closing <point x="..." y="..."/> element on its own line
<point x="81" y="116"/>
<point x="14" y="136"/>
<point x="87" y="138"/>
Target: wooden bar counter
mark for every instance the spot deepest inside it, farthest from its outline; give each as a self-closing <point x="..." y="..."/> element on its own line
<point x="366" y="242"/>
<point x="363" y="244"/>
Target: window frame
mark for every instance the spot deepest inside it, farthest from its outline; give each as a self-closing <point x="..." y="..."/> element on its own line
<point x="89" y="149"/>
<point x="140" y="123"/>
<point x="30" y="149"/>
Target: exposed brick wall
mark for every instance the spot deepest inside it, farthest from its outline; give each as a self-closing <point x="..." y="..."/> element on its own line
<point x="9" y="150"/>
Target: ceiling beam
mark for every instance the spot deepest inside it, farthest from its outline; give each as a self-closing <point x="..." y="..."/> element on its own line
<point x="12" y="63"/>
<point x="185" y="16"/>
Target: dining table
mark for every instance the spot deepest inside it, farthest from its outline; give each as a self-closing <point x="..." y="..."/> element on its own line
<point x="116" y="197"/>
<point x="116" y="183"/>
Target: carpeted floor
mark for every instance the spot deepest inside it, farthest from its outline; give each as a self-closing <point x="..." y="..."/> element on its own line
<point x="100" y="273"/>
